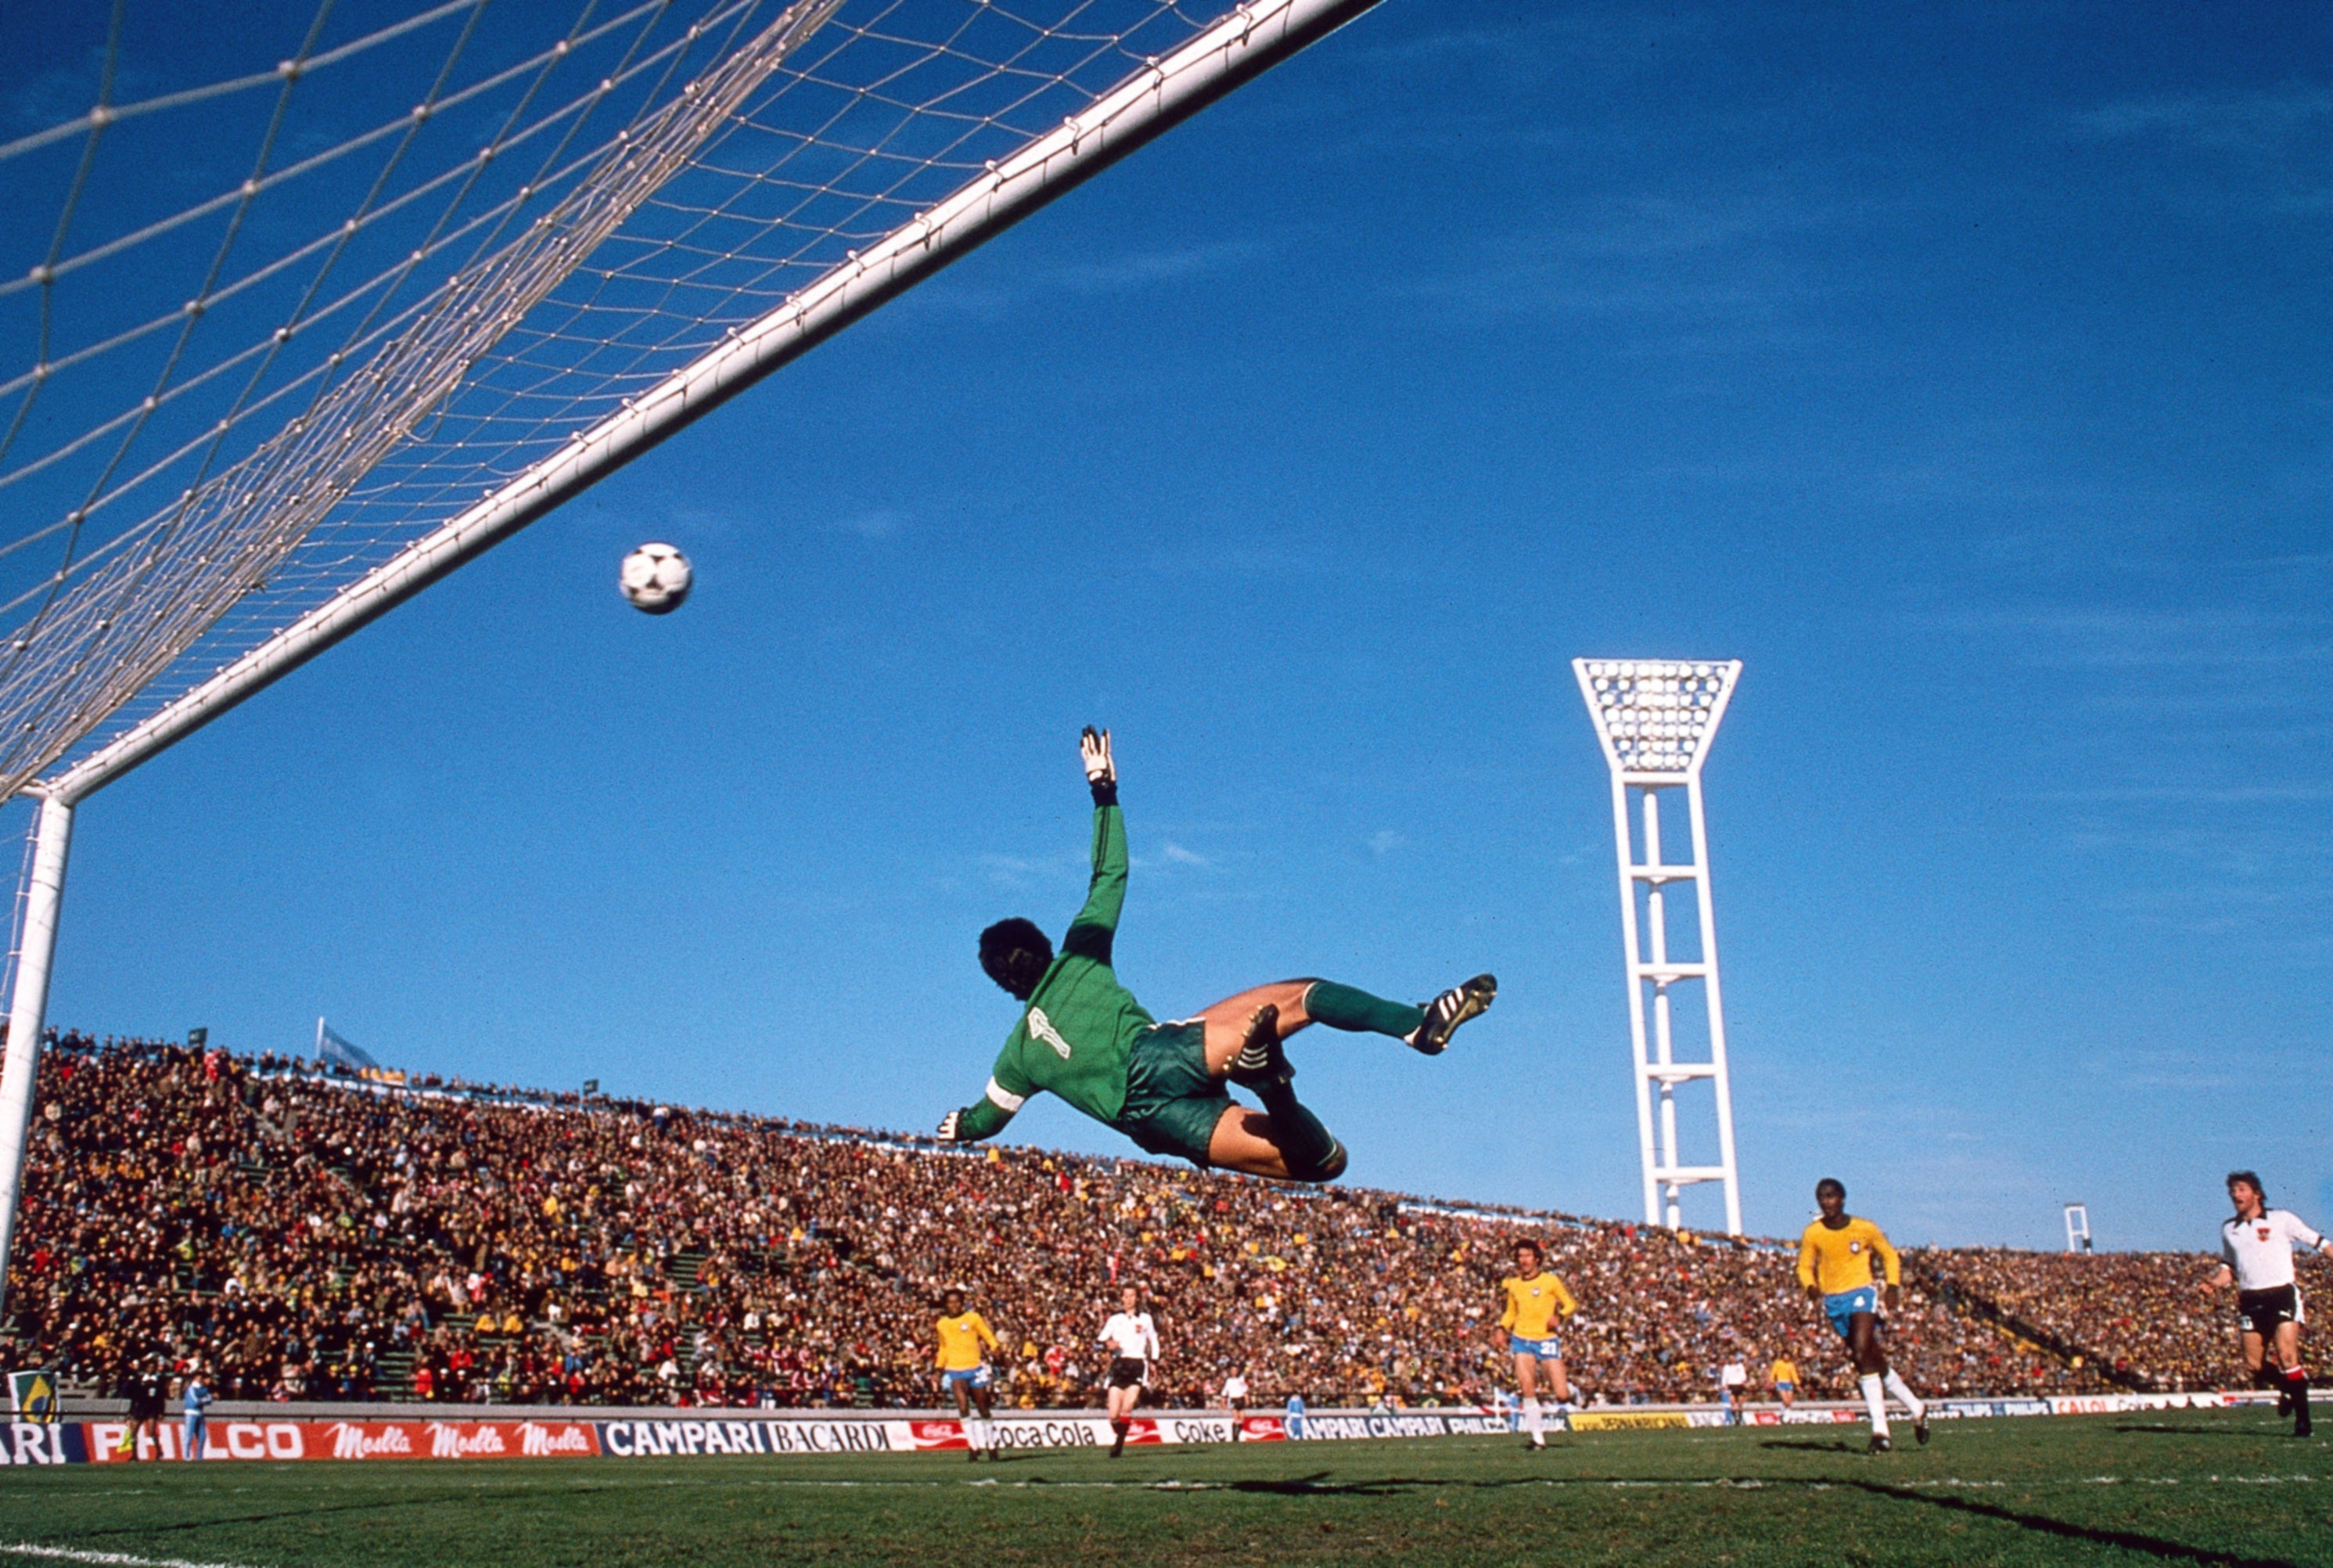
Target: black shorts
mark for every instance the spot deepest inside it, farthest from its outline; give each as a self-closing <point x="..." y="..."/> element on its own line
<point x="1127" y="1371"/>
<point x="2262" y="1310"/>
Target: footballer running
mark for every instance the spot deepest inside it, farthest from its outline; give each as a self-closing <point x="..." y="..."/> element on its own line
<point x="1133" y="1341"/>
<point x="2257" y="1243"/>
<point x="1535" y="1300"/>
<point x="1835" y="1266"/>
<point x="963" y="1369"/>
<point x="1084" y="1038"/>
<point x="1784" y="1375"/>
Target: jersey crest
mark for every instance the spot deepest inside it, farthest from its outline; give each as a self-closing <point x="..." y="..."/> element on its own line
<point x="1042" y="1028"/>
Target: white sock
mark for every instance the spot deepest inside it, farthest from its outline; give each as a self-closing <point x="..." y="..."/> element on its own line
<point x="1532" y="1422"/>
<point x="1904" y="1394"/>
<point x="1878" y="1403"/>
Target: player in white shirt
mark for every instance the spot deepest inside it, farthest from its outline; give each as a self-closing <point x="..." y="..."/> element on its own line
<point x="1732" y="1380"/>
<point x="2258" y="1246"/>
<point x="1235" y="1396"/>
<point x="1133" y="1342"/>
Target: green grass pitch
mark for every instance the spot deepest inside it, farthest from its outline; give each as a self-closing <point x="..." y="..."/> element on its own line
<point x="2179" y="1486"/>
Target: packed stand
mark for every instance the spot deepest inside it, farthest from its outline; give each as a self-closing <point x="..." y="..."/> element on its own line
<point x="303" y="1236"/>
<point x="2143" y="1317"/>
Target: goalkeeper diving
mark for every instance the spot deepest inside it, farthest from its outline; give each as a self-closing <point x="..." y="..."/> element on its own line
<point x="1084" y="1038"/>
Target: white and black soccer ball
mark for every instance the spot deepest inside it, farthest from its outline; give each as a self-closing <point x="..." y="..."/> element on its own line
<point x="655" y="578"/>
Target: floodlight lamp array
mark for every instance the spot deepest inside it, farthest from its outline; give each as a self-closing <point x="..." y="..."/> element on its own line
<point x="1656" y="715"/>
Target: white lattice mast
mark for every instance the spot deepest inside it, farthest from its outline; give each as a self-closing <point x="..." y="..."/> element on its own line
<point x="2077" y="1227"/>
<point x="1656" y="718"/>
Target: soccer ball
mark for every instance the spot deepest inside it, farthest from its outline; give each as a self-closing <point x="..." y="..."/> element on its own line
<point x="655" y="578"/>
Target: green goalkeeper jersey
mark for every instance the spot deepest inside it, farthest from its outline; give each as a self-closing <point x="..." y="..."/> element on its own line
<point x="1074" y="1038"/>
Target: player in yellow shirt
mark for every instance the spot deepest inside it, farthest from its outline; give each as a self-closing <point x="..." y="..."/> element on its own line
<point x="1835" y="1258"/>
<point x="1784" y="1375"/>
<point x="965" y="1370"/>
<point x="1535" y="1300"/>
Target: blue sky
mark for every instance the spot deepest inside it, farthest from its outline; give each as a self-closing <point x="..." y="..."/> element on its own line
<point x="1962" y="373"/>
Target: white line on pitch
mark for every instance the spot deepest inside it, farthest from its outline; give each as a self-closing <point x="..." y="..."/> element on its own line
<point x="1746" y="1483"/>
<point x="1167" y="1484"/>
<point x="110" y="1558"/>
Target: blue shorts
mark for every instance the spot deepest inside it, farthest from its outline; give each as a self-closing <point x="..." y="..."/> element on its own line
<point x="1549" y="1349"/>
<point x="972" y="1377"/>
<point x="1841" y="1308"/>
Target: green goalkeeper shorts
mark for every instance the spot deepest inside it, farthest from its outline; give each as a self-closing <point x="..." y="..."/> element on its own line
<point x="1172" y="1102"/>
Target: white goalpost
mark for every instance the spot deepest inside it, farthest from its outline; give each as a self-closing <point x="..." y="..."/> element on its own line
<point x="615" y="231"/>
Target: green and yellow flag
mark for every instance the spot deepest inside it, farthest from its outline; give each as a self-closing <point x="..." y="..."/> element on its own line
<point x="33" y="1396"/>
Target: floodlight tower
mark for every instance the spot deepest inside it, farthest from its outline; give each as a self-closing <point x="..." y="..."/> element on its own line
<point x="1656" y="718"/>
<point x="2077" y="1227"/>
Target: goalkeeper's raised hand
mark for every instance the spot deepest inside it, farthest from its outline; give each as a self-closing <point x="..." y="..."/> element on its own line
<point x="1101" y="773"/>
<point x="948" y="1126"/>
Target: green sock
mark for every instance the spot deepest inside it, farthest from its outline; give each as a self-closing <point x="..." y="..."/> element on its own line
<point x="1309" y="1151"/>
<point x="1343" y="1007"/>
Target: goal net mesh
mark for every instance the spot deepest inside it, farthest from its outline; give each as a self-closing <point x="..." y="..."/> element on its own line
<point x="266" y="321"/>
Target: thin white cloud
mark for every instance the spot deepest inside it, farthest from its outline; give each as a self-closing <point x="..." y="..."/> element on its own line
<point x="2186" y="795"/>
<point x="64" y="93"/>
<point x="883" y="523"/>
<point x="1697" y="271"/>
<point x="991" y="300"/>
<point x="1140" y="269"/>
<point x="2257" y="121"/>
<point x="2098" y="637"/>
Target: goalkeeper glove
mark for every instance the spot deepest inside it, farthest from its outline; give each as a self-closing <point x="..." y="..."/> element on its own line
<point x="949" y="1125"/>
<point x="1101" y="773"/>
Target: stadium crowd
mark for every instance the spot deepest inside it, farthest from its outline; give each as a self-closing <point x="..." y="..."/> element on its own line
<point x="300" y="1235"/>
<point x="2141" y="1311"/>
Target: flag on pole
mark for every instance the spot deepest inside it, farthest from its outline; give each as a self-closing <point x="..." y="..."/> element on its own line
<point x="33" y="1396"/>
<point x="336" y="1047"/>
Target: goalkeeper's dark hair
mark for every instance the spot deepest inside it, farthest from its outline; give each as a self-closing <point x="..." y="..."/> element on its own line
<point x="1015" y="954"/>
<point x="2249" y="1179"/>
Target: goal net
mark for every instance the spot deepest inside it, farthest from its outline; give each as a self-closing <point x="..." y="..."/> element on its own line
<point x="284" y="339"/>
